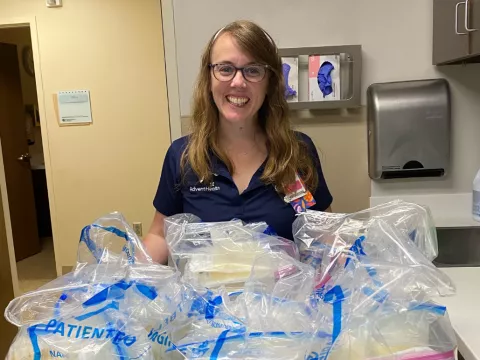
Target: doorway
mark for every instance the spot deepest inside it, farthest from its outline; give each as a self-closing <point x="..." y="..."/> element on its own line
<point x="21" y="141"/>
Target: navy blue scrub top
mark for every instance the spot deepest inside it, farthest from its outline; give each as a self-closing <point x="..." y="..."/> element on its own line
<point x="221" y="201"/>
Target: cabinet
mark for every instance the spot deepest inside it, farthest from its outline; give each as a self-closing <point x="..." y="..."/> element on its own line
<point x="456" y="31"/>
<point x="475" y="24"/>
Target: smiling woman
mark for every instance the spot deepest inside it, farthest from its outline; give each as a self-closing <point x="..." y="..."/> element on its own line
<point x="231" y="84"/>
<point x="242" y="159"/>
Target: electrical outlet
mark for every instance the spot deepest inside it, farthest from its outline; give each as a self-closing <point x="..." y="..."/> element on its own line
<point x="54" y="3"/>
<point x="137" y="227"/>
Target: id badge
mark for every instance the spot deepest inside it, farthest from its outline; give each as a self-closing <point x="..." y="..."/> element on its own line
<point x="299" y="197"/>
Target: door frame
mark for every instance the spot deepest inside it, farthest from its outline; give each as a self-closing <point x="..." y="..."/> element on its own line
<point x="30" y="21"/>
<point x="171" y="71"/>
<point x="8" y="226"/>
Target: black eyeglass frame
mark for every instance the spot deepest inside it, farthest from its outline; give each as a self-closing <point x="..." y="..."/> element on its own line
<point x="237" y="69"/>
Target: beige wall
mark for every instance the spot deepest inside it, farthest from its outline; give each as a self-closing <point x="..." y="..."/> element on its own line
<point x="342" y="145"/>
<point x="114" y="49"/>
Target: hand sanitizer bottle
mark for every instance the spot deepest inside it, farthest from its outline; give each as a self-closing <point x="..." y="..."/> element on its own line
<point x="476" y="197"/>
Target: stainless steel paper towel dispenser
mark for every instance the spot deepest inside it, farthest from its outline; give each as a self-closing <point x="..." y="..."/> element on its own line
<point x="408" y="129"/>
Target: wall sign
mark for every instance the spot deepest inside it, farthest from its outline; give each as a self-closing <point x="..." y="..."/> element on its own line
<point x="74" y="107"/>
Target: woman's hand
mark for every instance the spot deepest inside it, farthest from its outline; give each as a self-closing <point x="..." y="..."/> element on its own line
<point x="154" y="241"/>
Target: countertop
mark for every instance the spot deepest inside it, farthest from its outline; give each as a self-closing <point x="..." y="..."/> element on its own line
<point x="464" y="309"/>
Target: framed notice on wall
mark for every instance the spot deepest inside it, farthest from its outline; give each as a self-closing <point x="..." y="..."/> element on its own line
<point x="74" y="107"/>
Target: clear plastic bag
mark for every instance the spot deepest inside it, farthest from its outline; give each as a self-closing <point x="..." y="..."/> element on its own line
<point x="414" y="221"/>
<point x="277" y="295"/>
<point x="208" y="317"/>
<point x="249" y="346"/>
<point x="219" y="254"/>
<point x="418" y="333"/>
<point x="272" y="318"/>
<point x="374" y="287"/>
<point x="115" y="303"/>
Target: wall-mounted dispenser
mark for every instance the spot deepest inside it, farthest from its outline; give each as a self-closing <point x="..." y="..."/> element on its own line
<point x="408" y="129"/>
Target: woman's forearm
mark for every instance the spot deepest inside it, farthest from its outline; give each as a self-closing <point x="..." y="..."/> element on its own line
<point x="156" y="247"/>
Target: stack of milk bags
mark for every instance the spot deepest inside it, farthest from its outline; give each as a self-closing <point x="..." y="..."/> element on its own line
<point x="377" y="262"/>
<point x="351" y="286"/>
<point x="116" y="303"/>
<point x="250" y="296"/>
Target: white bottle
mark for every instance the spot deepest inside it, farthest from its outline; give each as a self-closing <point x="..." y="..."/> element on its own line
<point x="476" y="198"/>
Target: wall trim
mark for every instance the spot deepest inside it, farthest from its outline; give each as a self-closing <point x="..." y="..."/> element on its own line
<point x="170" y="50"/>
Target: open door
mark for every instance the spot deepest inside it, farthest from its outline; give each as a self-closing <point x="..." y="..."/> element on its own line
<point x="16" y="159"/>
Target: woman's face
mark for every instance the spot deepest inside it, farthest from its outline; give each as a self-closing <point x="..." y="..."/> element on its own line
<point x="237" y="100"/>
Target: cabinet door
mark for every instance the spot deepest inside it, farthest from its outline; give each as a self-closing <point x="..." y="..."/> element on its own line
<point x="474" y="26"/>
<point x="450" y="39"/>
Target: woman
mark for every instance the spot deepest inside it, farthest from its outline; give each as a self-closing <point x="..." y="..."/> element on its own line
<point x="242" y="157"/>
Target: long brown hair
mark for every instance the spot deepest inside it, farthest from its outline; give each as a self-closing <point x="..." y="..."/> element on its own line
<point x="287" y="153"/>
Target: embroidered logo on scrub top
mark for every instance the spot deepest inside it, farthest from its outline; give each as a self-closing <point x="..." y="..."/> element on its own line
<point x="209" y="188"/>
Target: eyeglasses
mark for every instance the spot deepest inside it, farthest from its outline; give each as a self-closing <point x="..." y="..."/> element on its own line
<point x="226" y="72"/>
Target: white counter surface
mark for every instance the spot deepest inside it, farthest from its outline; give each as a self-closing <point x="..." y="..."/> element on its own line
<point x="464" y="309"/>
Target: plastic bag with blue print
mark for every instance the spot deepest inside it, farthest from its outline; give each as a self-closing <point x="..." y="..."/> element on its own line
<point x="208" y="318"/>
<point x="215" y="254"/>
<point x="380" y="286"/>
<point x="313" y="229"/>
<point x="272" y="318"/>
<point x="116" y="303"/>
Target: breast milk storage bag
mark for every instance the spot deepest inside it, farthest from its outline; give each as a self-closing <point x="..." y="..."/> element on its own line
<point x="213" y="254"/>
